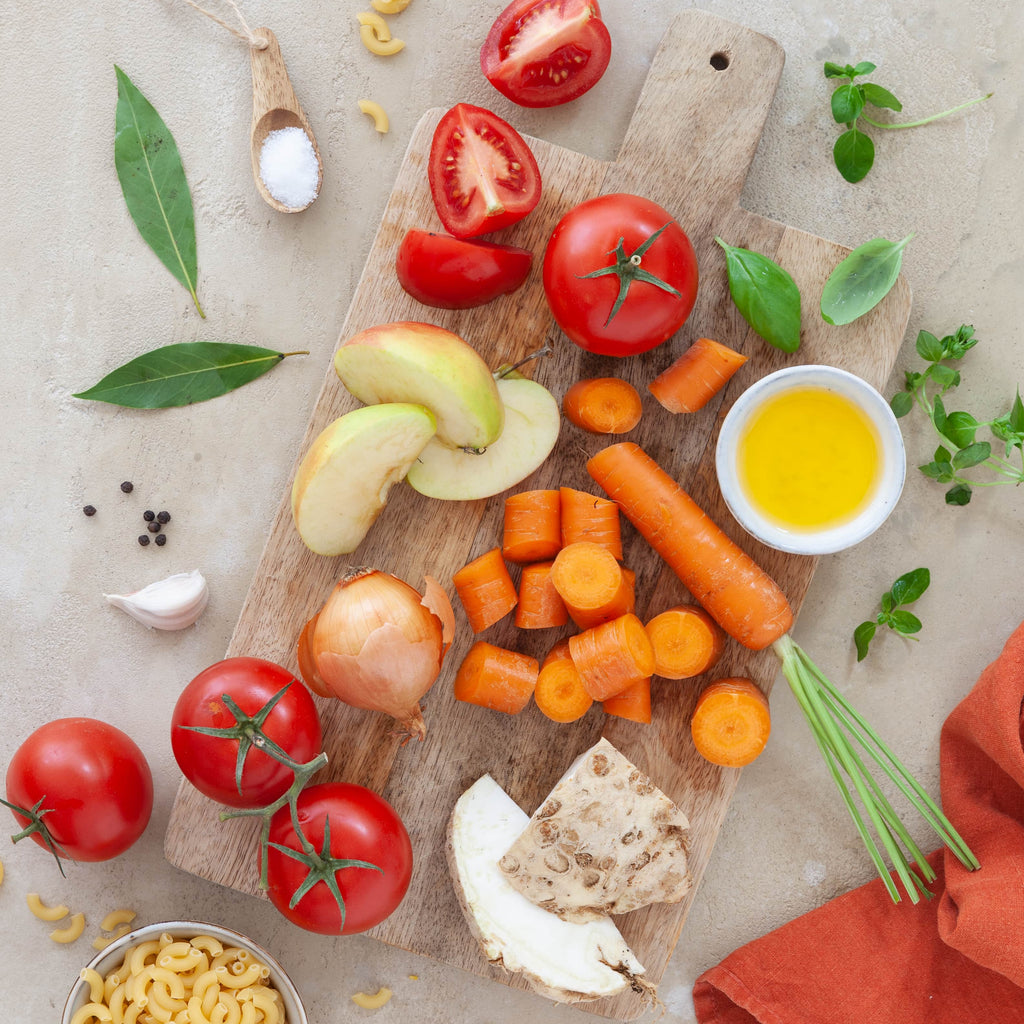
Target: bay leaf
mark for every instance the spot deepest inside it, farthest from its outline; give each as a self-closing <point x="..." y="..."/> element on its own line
<point x="153" y="182"/>
<point x="183" y="374"/>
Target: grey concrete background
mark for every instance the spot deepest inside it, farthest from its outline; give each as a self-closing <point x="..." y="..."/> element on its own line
<point x="80" y="293"/>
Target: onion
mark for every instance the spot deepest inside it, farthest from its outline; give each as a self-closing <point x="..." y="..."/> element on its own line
<point x="378" y="644"/>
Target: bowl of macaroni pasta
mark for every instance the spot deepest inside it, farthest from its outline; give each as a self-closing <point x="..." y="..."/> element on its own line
<point x="183" y="970"/>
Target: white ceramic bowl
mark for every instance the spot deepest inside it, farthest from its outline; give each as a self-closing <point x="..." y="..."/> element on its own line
<point x="827" y="539"/>
<point x="110" y="957"/>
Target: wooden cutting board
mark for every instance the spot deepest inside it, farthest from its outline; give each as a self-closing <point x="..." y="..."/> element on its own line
<point x="688" y="147"/>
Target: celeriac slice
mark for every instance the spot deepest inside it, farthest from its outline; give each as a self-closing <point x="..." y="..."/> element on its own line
<point x="563" y="961"/>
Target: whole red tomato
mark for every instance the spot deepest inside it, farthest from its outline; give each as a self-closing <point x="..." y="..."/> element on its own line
<point x="84" y="785"/>
<point x="227" y="767"/>
<point x="540" y="53"/>
<point x="455" y="273"/>
<point x="620" y="274"/>
<point x="482" y="174"/>
<point x="369" y="856"/>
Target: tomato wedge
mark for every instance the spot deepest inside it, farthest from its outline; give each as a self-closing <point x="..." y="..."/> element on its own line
<point x="455" y="273"/>
<point x="540" y="53"/>
<point x="482" y="174"/>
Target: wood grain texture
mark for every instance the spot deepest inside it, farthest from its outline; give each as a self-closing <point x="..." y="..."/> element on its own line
<point x="688" y="147"/>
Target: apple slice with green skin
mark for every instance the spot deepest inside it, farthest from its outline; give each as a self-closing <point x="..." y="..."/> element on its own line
<point x="532" y="422"/>
<point x="342" y="482"/>
<point x="407" y="361"/>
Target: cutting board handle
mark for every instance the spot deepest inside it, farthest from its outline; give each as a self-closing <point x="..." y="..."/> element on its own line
<point x="704" y="66"/>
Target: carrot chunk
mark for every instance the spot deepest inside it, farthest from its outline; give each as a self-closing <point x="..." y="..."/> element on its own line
<point x="485" y="589"/>
<point x="532" y="530"/>
<point x="603" y="405"/>
<point x="497" y="678"/>
<point x="590" y="517"/>
<point x="560" y="693"/>
<point x="740" y="596"/>
<point x="540" y="605"/>
<point x="612" y="656"/>
<point x="731" y="722"/>
<point x="686" y="642"/>
<point x="634" y="703"/>
<point x="591" y="583"/>
<point x="696" y="376"/>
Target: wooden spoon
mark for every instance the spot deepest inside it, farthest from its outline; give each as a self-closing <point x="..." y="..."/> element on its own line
<point x="275" y="106"/>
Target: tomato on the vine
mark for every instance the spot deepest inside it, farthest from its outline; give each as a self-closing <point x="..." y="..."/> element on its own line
<point x="354" y="868"/>
<point x="81" y="788"/>
<point x="540" y="53"/>
<point x="620" y="274"/>
<point x="455" y="273"/>
<point x="225" y="761"/>
<point x="482" y="174"/>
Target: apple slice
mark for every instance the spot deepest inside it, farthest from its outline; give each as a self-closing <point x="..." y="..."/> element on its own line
<point x="415" y="362"/>
<point x="342" y="482"/>
<point x="532" y="422"/>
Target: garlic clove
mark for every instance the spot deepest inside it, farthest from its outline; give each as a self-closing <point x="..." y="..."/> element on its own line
<point x="171" y="603"/>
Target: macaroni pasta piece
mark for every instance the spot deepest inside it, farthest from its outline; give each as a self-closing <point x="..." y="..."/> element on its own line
<point x="389" y="6"/>
<point x="1" y="872"/>
<point x="42" y="911"/>
<point x="91" y="1011"/>
<point x="71" y="931"/>
<point x="117" y="917"/>
<point x="377" y="112"/>
<point x="376" y="36"/>
<point x="374" y="1002"/>
<point x="102" y="941"/>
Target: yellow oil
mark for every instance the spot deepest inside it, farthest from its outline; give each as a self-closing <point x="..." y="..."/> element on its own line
<point x="809" y="459"/>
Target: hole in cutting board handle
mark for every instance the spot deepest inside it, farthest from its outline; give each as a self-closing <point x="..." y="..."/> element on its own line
<point x="719" y="61"/>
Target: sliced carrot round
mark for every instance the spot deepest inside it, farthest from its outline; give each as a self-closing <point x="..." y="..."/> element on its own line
<point x="731" y="722"/>
<point x="686" y="642"/>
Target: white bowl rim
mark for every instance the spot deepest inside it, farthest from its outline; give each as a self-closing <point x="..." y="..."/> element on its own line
<point x="296" y="1012"/>
<point x="844" y="535"/>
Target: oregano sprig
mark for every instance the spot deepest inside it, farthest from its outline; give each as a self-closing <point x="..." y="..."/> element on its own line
<point x="960" y="448"/>
<point x="906" y="590"/>
<point x="854" y="150"/>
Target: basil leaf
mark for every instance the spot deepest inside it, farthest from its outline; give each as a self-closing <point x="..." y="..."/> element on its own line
<point x="902" y="402"/>
<point x="854" y="154"/>
<point x="847" y="103"/>
<point x="972" y="455"/>
<point x="911" y="585"/>
<point x="939" y="417"/>
<point x="862" y="280"/>
<point x="905" y="622"/>
<point x="153" y="182"/>
<point x="183" y="374"/>
<point x="929" y="348"/>
<point x="960" y="428"/>
<point x="958" y="495"/>
<point x="879" y="97"/>
<point x="1015" y="421"/>
<point x="864" y="67"/>
<point x="862" y="636"/>
<point x="940" y="471"/>
<point x="833" y="70"/>
<point x="766" y="296"/>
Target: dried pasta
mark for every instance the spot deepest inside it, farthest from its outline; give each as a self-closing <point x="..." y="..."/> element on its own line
<point x="376" y="36"/>
<point x="168" y="980"/>
<point x="71" y="931"/>
<point x="372" y="1002"/>
<point x="389" y="6"/>
<point x="377" y="112"/>
<point x="42" y="911"/>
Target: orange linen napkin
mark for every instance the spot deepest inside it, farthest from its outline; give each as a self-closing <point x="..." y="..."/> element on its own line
<point x="955" y="959"/>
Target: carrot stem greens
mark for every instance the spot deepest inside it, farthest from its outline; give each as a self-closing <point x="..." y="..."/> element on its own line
<point x="839" y="729"/>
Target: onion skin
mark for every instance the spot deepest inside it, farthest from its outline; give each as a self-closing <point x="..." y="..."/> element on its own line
<point x="377" y="644"/>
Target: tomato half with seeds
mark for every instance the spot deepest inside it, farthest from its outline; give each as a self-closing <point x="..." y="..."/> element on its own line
<point x="356" y="869"/>
<point x="232" y="701"/>
<point x="620" y="275"/>
<point x="458" y="273"/>
<point x="540" y="53"/>
<point x="81" y="789"/>
<point x="482" y="174"/>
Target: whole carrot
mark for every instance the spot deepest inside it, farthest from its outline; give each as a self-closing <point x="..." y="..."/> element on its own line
<point x="740" y="596"/>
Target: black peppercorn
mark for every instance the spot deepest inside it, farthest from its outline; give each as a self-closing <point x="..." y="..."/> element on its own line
<point x="143" y="539"/>
<point x="161" y="539"/>
<point x="127" y="487"/>
<point x="149" y="515"/>
<point x="89" y="510"/>
<point x="163" y="517"/>
<point x="153" y="527"/>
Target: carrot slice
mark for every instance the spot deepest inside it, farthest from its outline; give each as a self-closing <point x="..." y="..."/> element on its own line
<point x="497" y="678"/>
<point x="540" y="605"/>
<point x="686" y="642"/>
<point x="603" y="405"/>
<point x="590" y="517"/>
<point x="731" y="722"/>
<point x="633" y="703"/>
<point x="485" y="589"/>
<point x="532" y="530"/>
<point x="612" y="656"/>
<point x="740" y="596"/>
<point x="591" y="583"/>
<point x="560" y="693"/>
<point x="696" y="376"/>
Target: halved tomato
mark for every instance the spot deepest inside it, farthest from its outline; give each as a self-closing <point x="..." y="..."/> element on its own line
<point x="456" y="273"/>
<point x="482" y="174"/>
<point x="540" y="53"/>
